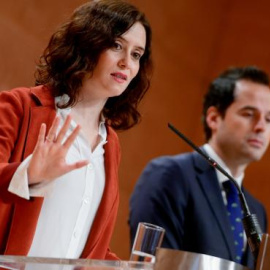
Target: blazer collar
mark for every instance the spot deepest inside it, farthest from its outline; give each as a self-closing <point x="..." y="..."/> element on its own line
<point x="43" y="95"/>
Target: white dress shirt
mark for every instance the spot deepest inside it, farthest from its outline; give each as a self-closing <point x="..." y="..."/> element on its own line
<point x="221" y="177"/>
<point x="70" y="201"/>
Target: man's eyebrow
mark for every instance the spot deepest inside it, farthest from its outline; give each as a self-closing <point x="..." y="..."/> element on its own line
<point x="252" y="108"/>
<point x="248" y="107"/>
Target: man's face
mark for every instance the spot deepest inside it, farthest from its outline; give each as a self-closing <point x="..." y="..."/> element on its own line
<point x="243" y="134"/>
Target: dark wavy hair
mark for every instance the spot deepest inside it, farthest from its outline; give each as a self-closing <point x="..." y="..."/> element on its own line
<point x="74" y="49"/>
<point x="221" y="91"/>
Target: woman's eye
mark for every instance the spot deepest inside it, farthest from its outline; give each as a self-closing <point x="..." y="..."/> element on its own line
<point x="267" y="119"/>
<point x="136" y="55"/>
<point x="117" y="46"/>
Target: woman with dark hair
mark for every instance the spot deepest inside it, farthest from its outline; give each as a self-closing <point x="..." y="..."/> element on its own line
<point x="59" y="153"/>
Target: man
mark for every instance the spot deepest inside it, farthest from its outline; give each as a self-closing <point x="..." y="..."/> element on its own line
<point x="185" y="195"/>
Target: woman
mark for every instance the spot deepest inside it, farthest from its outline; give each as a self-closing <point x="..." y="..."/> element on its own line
<point x="59" y="153"/>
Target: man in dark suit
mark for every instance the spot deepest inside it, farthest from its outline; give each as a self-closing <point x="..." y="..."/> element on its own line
<point x="185" y="195"/>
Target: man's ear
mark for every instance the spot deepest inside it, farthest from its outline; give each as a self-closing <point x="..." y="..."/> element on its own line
<point x="213" y="118"/>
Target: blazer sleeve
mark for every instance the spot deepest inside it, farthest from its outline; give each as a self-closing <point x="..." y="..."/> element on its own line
<point x="11" y="111"/>
<point x="160" y="197"/>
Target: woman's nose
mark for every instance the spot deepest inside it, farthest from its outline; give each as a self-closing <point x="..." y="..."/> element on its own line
<point x="124" y="62"/>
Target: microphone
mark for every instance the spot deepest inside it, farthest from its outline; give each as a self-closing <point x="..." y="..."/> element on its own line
<point x="250" y="222"/>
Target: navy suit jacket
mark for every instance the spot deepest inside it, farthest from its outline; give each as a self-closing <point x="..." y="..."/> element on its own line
<point x="182" y="194"/>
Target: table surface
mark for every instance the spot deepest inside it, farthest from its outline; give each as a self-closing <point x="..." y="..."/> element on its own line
<point x="33" y="263"/>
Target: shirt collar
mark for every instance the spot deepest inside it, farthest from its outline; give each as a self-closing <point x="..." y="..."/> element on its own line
<point x="64" y="99"/>
<point x="221" y="177"/>
<point x="102" y="129"/>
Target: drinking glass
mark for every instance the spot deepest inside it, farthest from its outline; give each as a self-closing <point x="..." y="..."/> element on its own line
<point x="148" y="238"/>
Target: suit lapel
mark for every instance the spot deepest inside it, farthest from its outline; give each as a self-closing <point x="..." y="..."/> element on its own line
<point x="208" y="181"/>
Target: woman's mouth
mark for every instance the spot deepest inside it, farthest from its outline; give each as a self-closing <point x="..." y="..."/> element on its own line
<point x="119" y="77"/>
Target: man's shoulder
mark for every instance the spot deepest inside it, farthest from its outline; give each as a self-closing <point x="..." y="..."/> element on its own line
<point x="169" y="167"/>
<point x="183" y="166"/>
<point x="167" y="174"/>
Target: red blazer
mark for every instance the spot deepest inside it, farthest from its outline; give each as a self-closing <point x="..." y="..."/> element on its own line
<point x="22" y="111"/>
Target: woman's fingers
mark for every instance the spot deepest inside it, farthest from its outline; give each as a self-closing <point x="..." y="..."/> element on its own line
<point x="64" y="129"/>
<point x="77" y="165"/>
<point x="70" y="139"/>
<point x="51" y="136"/>
<point x="41" y="135"/>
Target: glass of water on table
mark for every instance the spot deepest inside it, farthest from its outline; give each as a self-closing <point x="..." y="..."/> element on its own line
<point x="148" y="238"/>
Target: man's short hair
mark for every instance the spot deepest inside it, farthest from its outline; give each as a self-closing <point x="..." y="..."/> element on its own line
<point x="221" y="91"/>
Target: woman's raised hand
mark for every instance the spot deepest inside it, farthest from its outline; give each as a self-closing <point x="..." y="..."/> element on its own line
<point x="49" y="157"/>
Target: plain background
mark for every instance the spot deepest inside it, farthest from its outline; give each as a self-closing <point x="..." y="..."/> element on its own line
<point x="193" y="42"/>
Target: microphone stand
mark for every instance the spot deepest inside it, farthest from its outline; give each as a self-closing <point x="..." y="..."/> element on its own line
<point x="250" y="222"/>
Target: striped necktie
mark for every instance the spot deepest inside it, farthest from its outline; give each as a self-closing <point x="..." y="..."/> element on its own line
<point x="235" y="215"/>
